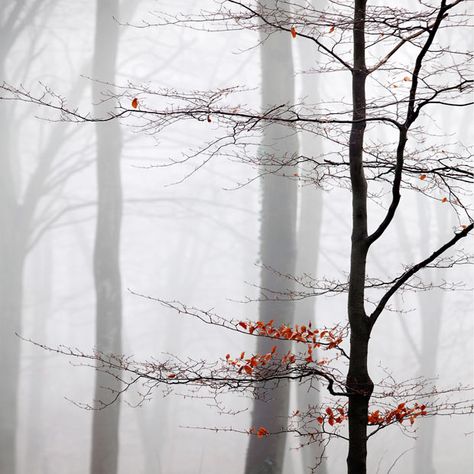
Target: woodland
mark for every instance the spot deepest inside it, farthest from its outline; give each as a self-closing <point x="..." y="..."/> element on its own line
<point x="236" y="236"/>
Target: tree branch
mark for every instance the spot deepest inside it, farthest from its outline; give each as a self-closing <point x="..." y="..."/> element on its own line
<point x="414" y="269"/>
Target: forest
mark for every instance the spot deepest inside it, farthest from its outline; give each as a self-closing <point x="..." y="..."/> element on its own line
<point x="236" y="237"/>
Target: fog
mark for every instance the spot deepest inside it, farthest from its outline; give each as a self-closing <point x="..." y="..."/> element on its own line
<point x="104" y="219"/>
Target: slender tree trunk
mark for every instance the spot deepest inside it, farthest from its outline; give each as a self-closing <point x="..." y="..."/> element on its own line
<point x="42" y="264"/>
<point x="359" y="384"/>
<point x="309" y="229"/>
<point x="105" y="432"/>
<point x="277" y="248"/>
<point x="12" y="259"/>
<point x="308" y="248"/>
<point x="431" y="309"/>
<point x="11" y="293"/>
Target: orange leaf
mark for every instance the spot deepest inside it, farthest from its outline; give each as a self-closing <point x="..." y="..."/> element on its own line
<point x="331" y="420"/>
<point x="248" y="369"/>
<point x="293" y="32"/>
<point x="329" y="411"/>
<point x="320" y="420"/>
<point x="227" y="356"/>
<point x="262" y="432"/>
<point x="242" y="324"/>
<point x="331" y="29"/>
<point x="407" y="78"/>
<point x="444" y="200"/>
<point x="422" y="177"/>
<point x="171" y="376"/>
<point x="135" y="103"/>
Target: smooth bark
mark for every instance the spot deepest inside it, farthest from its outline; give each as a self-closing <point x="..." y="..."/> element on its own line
<point x="277" y="248"/>
<point x="12" y="260"/>
<point x="309" y="231"/>
<point x="105" y="430"/>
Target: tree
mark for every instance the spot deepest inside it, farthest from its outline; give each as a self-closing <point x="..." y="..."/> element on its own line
<point x="277" y="232"/>
<point x="105" y="431"/>
<point x="404" y="90"/>
<point x="26" y="211"/>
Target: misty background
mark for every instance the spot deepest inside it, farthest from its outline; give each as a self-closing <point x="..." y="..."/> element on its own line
<point x="186" y="234"/>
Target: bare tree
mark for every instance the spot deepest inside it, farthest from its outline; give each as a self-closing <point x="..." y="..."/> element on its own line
<point x="23" y="218"/>
<point x="277" y="232"/>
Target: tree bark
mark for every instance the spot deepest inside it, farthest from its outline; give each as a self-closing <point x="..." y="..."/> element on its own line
<point x="277" y="247"/>
<point x="105" y="430"/>
<point x="12" y="259"/>
<point x="359" y="384"/>
<point x="431" y="310"/>
<point x="309" y="230"/>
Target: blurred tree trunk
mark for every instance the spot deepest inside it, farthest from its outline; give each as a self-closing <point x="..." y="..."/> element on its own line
<point x="42" y="264"/>
<point x="431" y="310"/>
<point x="105" y="429"/>
<point x="277" y="246"/>
<point x="309" y="230"/>
<point x="13" y="236"/>
<point x="17" y="213"/>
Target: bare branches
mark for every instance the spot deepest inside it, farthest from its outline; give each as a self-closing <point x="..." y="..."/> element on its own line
<point x="414" y="269"/>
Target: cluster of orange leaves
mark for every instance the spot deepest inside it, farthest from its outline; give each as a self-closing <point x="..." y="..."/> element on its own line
<point x="302" y="333"/>
<point x="400" y="414"/>
<point x="338" y="415"/>
<point x="328" y="339"/>
<point x="247" y="365"/>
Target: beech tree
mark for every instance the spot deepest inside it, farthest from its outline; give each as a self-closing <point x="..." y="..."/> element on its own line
<point x="105" y="427"/>
<point x="418" y="65"/>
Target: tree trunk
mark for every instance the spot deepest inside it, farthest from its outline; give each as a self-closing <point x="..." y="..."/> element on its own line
<point x="308" y="248"/>
<point x="309" y="230"/>
<point x="105" y="435"/>
<point x="431" y="310"/>
<point x="277" y="247"/>
<point x="11" y="292"/>
<point x="359" y="384"/>
<point x="41" y="309"/>
<point x="12" y="259"/>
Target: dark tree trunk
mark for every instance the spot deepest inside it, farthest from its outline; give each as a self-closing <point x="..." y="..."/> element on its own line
<point x="359" y="384"/>
<point x="105" y="432"/>
<point x="277" y="248"/>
